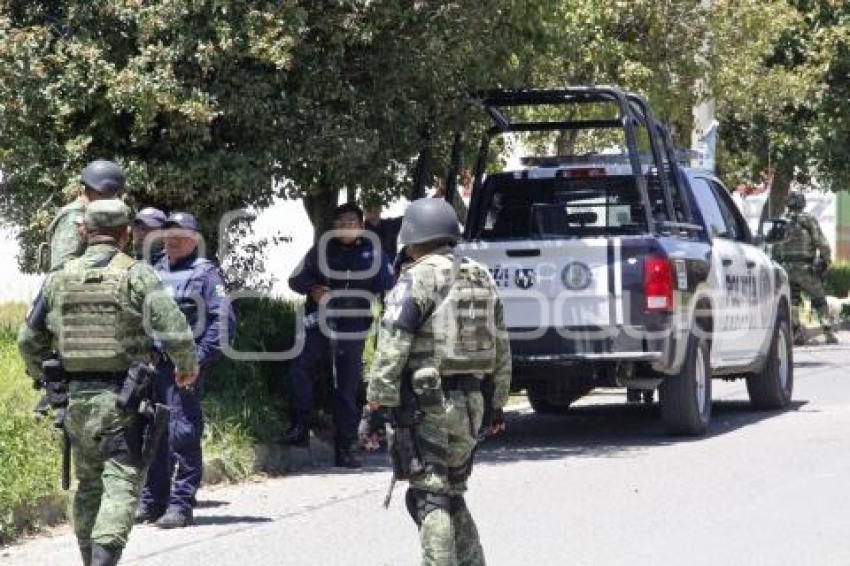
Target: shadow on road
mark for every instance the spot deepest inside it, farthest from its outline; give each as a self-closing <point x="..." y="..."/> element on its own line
<point x="613" y="430"/>
<point x="606" y="430"/>
<point x="211" y="504"/>
<point x="205" y="520"/>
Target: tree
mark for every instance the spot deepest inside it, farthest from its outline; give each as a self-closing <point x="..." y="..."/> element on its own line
<point x="187" y="96"/>
<point x="784" y="101"/>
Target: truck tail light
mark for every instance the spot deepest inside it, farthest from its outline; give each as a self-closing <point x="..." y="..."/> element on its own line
<point x="658" y="284"/>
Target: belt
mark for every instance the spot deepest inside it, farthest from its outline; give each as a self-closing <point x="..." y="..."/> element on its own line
<point x="465" y="383"/>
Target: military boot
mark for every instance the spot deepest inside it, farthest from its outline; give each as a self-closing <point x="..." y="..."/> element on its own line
<point x="147" y="514"/>
<point x="175" y="519"/>
<point x="346" y="457"/>
<point x="297" y="435"/>
<point x="105" y="555"/>
<point x="831" y="338"/>
<point x="85" y="551"/>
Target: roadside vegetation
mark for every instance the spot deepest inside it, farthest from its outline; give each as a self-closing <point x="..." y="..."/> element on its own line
<point x="29" y="449"/>
<point x="244" y="404"/>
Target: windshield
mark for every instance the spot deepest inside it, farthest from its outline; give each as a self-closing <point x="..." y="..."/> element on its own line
<point x="559" y="207"/>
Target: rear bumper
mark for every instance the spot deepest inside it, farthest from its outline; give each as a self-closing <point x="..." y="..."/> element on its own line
<point x="588" y="357"/>
<point x="565" y="346"/>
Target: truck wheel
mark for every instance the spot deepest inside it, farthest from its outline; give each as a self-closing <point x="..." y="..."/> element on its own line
<point x="771" y="388"/>
<point x="686" y="397"/>
<point x="541" y="405"/>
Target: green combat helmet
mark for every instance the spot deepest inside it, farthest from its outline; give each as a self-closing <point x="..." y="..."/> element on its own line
<point x="104" y="177"/>
<point x="426" y="220"/>
<point x="796" y="201"/>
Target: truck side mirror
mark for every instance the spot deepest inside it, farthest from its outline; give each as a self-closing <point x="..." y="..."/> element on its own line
<point x="775" y="230"/>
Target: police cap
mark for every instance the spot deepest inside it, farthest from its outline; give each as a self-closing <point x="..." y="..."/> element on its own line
<point x="185" y="220"/>
<point x="150" y="217"/>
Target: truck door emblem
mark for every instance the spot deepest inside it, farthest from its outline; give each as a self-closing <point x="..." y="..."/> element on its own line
<point x="577" y="276"/>
<point x="524" y="278"/>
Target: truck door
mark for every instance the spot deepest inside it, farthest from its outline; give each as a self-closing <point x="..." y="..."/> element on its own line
<point x="753" y="285"/>
<point x="728" y="270"/>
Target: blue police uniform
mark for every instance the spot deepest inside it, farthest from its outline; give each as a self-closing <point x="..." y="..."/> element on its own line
<point x="387" y="231"/>
<point x="352" y="264"/>
<point x="197" y="287"/>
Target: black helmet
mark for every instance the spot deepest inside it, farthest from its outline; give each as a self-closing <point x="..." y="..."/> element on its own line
<point x="426" y="220"/>
<point x="796" y="200"/>
<point x="104" y="177"/>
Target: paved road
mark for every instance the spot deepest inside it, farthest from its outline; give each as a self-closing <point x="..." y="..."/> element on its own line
<point x="602" y="486"/>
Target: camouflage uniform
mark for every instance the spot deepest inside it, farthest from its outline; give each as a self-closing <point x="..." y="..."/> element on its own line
<point x="797" y="254"/>
<point x="443" y="323"/>
<point x="94" y="313"/>
<point x="63" y="234"/>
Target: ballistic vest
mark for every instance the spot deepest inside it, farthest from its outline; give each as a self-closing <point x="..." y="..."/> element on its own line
<point x="94" y="328"/>
<point x="800" y="244"/>
<point x="179" y="285"/>
<point x="459" y="335"/>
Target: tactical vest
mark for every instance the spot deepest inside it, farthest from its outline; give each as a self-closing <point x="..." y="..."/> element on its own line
<point x="459" y="335"/>
<point x="178" y="284"/>
<point x="799" y="245"/>
<point x="95" y="329"/>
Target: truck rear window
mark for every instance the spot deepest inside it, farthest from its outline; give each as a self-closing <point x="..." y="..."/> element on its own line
<point x="560" y="207"/>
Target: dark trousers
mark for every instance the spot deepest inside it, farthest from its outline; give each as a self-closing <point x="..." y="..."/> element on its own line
<point x="349" y="376"/>
<point x="179" y="457"/>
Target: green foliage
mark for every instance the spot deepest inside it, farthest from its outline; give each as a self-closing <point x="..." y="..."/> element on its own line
<point x="837" y="281"/>
<point x="187" y="95"/>
<point x="252" y="393"/>
<point x="30" y="449"/>
<point x="782" y="103"/>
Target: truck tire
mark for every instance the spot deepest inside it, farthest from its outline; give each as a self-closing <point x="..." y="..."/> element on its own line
<point x="686" y="397"/>
<point x="542" y="405"/>
<point x="771" y="388"/>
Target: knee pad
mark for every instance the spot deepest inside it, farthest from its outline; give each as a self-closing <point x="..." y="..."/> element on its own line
<point x="420" y="503"/>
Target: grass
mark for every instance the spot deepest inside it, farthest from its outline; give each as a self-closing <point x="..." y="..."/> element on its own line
<point x="29" y="449"/>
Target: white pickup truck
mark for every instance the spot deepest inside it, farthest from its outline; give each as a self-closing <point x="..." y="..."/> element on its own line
<point x="614" y="276"/>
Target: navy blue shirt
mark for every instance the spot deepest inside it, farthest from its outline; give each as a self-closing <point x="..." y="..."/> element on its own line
<point x="387" y="231"/>
<point x="352" y="265"/>
<point x="198" y="289"/>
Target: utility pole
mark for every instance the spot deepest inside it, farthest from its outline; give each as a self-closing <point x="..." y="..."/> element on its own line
<point x="704" y="134"/>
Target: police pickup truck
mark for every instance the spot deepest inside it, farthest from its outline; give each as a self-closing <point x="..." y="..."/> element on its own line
<point x="625" y="269"/>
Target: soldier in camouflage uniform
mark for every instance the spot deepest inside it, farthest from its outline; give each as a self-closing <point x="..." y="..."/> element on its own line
<point x="799" y="255"/>
<point x="101" y="180"/>
<point x="441" y="337"/>
<point x="93" y="313"/>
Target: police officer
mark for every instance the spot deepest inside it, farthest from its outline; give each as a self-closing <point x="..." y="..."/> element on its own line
<point x="93" y="313"/>
<point x="386" y="229"/>
<point x="348" y="264"/>
<point x="442" y="337"/>
<point x="196" y="284"/>
<point x="101" y="179"/>
<point x="805" y="254"/>
<point x="147" y="242"/>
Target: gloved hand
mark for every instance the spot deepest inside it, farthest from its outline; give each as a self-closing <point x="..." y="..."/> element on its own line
<point x="371" y="428"/>
<point x="497" y="423"/>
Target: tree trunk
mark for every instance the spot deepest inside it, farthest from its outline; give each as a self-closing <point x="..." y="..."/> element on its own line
<point x="780" y="187"/>
<point x="320" y="204"/>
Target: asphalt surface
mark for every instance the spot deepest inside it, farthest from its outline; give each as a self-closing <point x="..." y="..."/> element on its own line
<point x="603" y="485"/>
